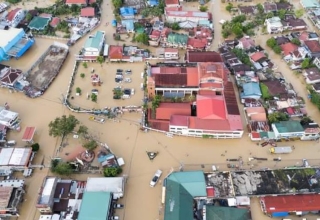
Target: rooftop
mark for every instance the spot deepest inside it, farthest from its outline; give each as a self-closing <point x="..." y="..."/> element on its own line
<point x="103" y="184"/>
<point x="257" y="56"/>
<point x="312" y="45"/>
<point x="288" y="48"/>
<point x="165" y="110"/>
<point x="15" y="156"/>
<point x="39" y="23"/>
<point x="288" y="126"/>
<point x="95" y="206"/>
<point x="95" y="41"/>
<point x="8" y="35"/>
<point x="220" y="184"/>
<point x="87" y="12"/>
<point x="47" y="190"/>
<point x="181" y="189"/>
<point x="223" y="213"/>
<point x="207" y="56"/>
<point x="312" y="73"/>
<point x="211" y="107"/>
<point x="195" y="14"/>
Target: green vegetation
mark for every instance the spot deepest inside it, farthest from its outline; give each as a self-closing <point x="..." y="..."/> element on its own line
<point x="299" y="13"/>
<point x="62" y="126"/>
<point x="100" y="59"/>
<point x="296" y="41"/>
<point x="35" y="147"/>
<point x="175" y="26"/>
<point x="117" y="93"/>
<point x="281" y="13"/>
<point x="78" y="90"/>
<point x="242" y="55"/>
<point x="229" y="7"/>
<point x="238" y="27"/>
<point x="112" y="171"/>
<point x="306" y="63"/>
<point x="155" y="102"/>
<point x="82" y="75"/>
<point x="203" y="8"/>
<point x="90" y="145"/>
<point x="63" y="26"/>
<point x="277" y="116"/>
<point x="85" y="65"/>
<point x="117" y="3"/>
<point x="265" y="91"/>
<point x="142" y="38"/>
<point x="60" y="8"/>
<point x="61" y="168"/>
<point x="315" y="98"/>
<point x="154" y="11"/>
<point x="94" y="97"/>
<point x="83" y="130"/>
<point x="272" y="43"/>
<point x="29" y="17"/>
<point x="13" y="1"/>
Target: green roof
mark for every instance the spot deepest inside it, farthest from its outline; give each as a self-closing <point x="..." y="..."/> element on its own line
<point x="38" y="23"/>
<point x="223" y="213"/>
<point x="181" y="188"/>
<point x="94" y="41"/>
<point x="288" y="126"/>
<point x="95" y="206"/>
<point x="175" y="38"/>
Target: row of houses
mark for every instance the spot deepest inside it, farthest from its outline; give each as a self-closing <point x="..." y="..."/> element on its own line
<point x="264" y="92"/>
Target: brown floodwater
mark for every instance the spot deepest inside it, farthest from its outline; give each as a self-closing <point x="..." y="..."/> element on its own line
<point x="126" y="140"/>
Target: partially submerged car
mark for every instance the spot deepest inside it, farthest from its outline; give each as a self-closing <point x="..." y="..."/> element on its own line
<point x="155" y="178"/>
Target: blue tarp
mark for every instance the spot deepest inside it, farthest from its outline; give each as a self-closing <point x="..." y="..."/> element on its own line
<point x="127" y="11"/>
<point x="129" y="24"/>
<point x="279" y="214"/>
<point x="101" y="159"/>
<point x="114" y="23"/>
<point x="153" y="2"/>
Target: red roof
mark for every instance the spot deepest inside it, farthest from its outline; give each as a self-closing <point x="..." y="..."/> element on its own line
<point x="211" y="107"/>
<point x="83" y="2"/>
<point x="210" y="191"/>
<point x="179" y="120"/>
<point x="28" y="134"/>
<point x="208" y="56"/>
<point x="291" y="203"/>
<point x="171" y="50"/>
<point x="45" y="15"/>
<point x="12" y="14"/>
<point x="192" y="76"/>
<point x="313" y="45"/>
<point x="209" y="124"/>
<point x="257" y="56"/>
<point x="87" y="12"/>
<point x="115" y="52"/>
<point x="288" y="48"/>
<point x="172" y="2"/>
<point x="255" y="135"/>
<point x="165" y="110"/>
<point x="155" y="34"/>
<point x="197" y="43"/>
<point x="54" y="22"/>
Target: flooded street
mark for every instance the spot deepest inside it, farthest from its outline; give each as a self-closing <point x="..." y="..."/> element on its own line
<point x="126" y="140"/>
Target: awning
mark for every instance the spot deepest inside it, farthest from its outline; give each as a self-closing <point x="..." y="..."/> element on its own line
<point x="28" y="134"/>
<point x="106" y="50"/>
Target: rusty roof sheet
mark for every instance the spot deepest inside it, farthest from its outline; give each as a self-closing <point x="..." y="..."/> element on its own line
<point x="173" y="80"/>
<point x="5" y="194"/>
<point x="230" y="99"/>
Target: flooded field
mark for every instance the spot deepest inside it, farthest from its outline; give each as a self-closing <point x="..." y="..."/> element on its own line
<point x="126" y="140"/>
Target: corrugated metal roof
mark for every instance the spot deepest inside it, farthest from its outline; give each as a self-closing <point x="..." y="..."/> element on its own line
<point x="230" y="99"/>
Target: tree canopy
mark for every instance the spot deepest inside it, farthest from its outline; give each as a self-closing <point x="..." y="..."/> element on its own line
<point x="242" y="55"/>
<point x="62" y="126"/>
<point x="277" y="116"/>
<point x="90" y="145"/>
<point x="61" y="168"/>
<point x="100" y="60"/>
<point x="35" y="147"/>
<point x="142" y="38"/>
<point x="112" y="171"/>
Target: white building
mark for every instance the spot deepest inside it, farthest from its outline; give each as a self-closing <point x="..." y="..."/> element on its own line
<point x="115" y="185"/>
<point x="9" y="119"/>
<point x="173" y="16"/>
<point x="15" y="158"/>
<point x="93" y="46"/>
<point x="171" y="53"/>
<point x="274" y="25"/>
<point x="15" y="17"/>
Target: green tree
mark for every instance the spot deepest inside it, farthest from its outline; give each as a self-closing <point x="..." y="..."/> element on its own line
<point x="229" y="7"/>
<point x="94" y="97"/>
<point x="260" y="9"/>
<point x="277" y="116"/>
<point x="238" y="19"/>
<point x="29" y="17"/>
<point x="62" y="126"/>
<point x="299" y="13"/>
<point x="265" y="91"/>
<point x="203" y="8"/>
<point x="90" y="145"/>
<point x="112" y="171"/>
<point x="175" y="26"/>
<point x="82" y="75"/>
<point x="296" y="41"/>
<point x="85" y="65"/>
<point x="237" y="30"/>
<point x="63" y="169"/>
<point x="35" y="147"/>
<point x="270" y="15"/>
<point x="156" y="102"/>
<point x="281" y="13"/>
<point x="277" y="49"/>
<point x="142" y="38"/>
<point x="83" y="130"/>
<point x="271" y="42"/>
<point x="117" y="3"/>
<point x="100" y="59"/>
<point x="242" y="55"/>
<point x="78" y="90"/>
<point x="305" y="63"/>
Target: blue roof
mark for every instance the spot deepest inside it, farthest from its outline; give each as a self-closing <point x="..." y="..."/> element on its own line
<point x="129" y="24"/>
<point x="103" y="158"/>
<point x="310" y="3"/>
<point x="95" y="41"/>
<point x="95" y="205"/>
<point x="127" y="11"/>
<point x="251" y="89"/>
<point x="153" y="2"/>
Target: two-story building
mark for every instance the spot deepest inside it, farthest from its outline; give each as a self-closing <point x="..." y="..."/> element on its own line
<point x="15" y="16"/>
<point x="93" y="47"/>
<point x="173" y="16"/>
<point x="274" y="25"/>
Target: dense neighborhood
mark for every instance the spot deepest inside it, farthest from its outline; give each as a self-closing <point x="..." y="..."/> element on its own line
<point x="186" y="72"/>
